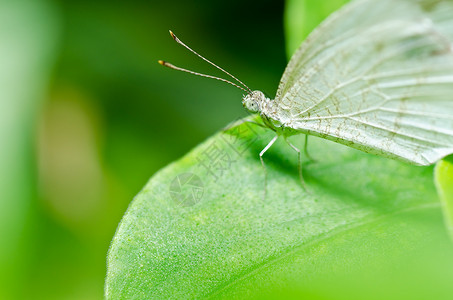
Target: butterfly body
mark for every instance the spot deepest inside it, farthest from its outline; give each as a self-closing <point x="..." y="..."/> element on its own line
<point x="257" y="102"/>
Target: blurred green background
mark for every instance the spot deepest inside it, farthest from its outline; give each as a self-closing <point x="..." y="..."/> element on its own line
<point x="87" y="116"/>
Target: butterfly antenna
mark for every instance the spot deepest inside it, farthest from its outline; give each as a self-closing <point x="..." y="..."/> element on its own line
<point x="208" y="61"/>
<point x="171" y="66"/>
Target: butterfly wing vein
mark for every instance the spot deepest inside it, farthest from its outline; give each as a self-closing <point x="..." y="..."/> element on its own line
<point x="376" y="76"/>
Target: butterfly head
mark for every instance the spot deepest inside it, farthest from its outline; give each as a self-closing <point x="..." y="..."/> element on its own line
<point x="253" y="102"/>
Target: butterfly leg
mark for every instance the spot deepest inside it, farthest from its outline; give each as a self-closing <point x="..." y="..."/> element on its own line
<point x="262" y="162"/>
<point x="306" y="149"/>
<point x="299" y="162"/>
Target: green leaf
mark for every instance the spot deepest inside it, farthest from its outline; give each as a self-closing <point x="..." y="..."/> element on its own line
<point x="302" y="16"/>
<point x="368" y="227"/>
<point x="444" y="184"/>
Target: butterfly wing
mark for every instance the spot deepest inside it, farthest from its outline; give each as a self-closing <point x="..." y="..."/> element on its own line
<point x="377" y="75"/>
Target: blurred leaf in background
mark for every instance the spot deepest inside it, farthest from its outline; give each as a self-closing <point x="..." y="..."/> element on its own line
<point x="302" y="16"/>
<point x="443" y="178"/>
<point x="29" y="33"/>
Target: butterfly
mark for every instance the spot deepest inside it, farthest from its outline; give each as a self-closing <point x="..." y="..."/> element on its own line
<point x="376" y="75"/>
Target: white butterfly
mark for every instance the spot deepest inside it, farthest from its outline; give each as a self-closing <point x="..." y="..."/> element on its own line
<point x="377" y="75"/>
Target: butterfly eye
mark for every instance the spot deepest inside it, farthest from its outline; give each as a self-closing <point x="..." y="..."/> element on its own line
<point x="251" y="104"/>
